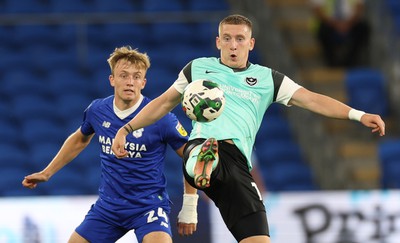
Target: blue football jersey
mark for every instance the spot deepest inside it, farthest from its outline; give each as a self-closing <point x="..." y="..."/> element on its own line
<point x="138" y="181"/>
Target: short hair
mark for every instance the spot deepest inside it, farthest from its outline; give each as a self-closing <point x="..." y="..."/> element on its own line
<point x="137" y="58"/>
<point x="236" y="19"/>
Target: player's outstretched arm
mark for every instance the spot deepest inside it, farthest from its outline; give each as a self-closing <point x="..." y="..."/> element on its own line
<point x="72" y="146"/>
<point x="187" y="217"/>
<point x="151" y="113"/>
<point x="333" y="108"/>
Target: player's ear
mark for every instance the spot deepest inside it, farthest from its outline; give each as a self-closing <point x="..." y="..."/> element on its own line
<point x="218" y="43"/>
<point x="144" y="83"/>
<point x="252" y="43"/>
<point x="111" y="78"/>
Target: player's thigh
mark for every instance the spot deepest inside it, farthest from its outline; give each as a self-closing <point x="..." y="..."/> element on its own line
<point x="77" y="238"/>
<point x="256" y="239"/>
<point x="158" y="236"/>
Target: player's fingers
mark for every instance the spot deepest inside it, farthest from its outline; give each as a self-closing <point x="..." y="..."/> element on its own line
<point x="180" y="230"/>
<point x="186" y="229"/>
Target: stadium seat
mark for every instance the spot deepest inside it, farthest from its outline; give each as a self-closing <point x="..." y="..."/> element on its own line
<point x="12" y="156"/>
<point x="44" y="57"/>
<point x="100" y="83"/>
<point x="32" y="106"/>
<point x="389" y="157"/>
<point x="208" y="5"/>
<point x="42" y="152"/>
<point x="11" y="179"/>
<point x="171" y="32"/>
<point x="9" y="131"/>
<point x="67" y="182"/>
<point x="365" y="87"/>
<point x="38" y="130"/>
<point x="289" y="176"/>
<point x="23" y="82"/>
<point x="34" y="34"/>
<point x="119" y="6"/>
<point x="26" y="6"/>
<point x="71" y="6"/>
<point x="274" y="127"/>
<point x="272" y="152"/>
<point x="158" y="80"/>
<point x="159" y="6"/>
<point x="66" y="80"/>
<point x="70" y="106"/>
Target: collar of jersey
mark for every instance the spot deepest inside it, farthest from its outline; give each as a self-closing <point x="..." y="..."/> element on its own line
<point x="125" y="113"/>
<point x="237" y="69"/>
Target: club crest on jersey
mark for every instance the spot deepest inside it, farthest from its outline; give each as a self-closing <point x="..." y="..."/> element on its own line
<point x="251" y="81"/>
<point x="181" y="130"/>
<point x="138" y="133"/>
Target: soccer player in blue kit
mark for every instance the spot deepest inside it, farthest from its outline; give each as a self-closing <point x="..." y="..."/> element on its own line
<point x="132" y="191"/>
<point x="217" y="158"/>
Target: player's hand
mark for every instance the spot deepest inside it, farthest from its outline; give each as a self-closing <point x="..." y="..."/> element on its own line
<point x="118" y="145"/>
<point x="187" y="217"/>
<point x="375" y="122"/>
<point x="186" y="229"/>
<point x="31" y="181"/>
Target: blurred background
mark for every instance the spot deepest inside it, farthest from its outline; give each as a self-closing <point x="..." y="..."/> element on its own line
<point x="53" y="64"/>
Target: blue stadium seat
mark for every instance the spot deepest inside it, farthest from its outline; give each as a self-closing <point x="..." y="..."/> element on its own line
<point x="119" y="6"/>
<point x="42" y="152"/>
<point x="71" y="106"/>
<point x="32" y="106"/>
<point x="26" y="6"/>
<point x="33" y="34"/>
<point x="393" y="6"/>
<point x="66" y="80"/>
<point x="38" y="130"/>
<point x="158" y="80"/>
<point x="289" y="176"/>
<point x="274" y="127"/>
<point x="108" y="36"/>
<point x="272" y="152"/>
<point x="101" y="84"/>
<point x="157" y="5"/>
<point x="389" y="157"/>
<point x="206" y="33"/>
<point x="208" y="5"/>
<point x="67" y="182"/>
<point x="6" y="115"/>
<point x="169" y="32"/>
<point x="45" y="57"/>
<point x="11" y="179"/>
<point x="7" y="42"/>
<point x="71" y="6"/>
<point x="12" y="156"/>
<point x="9" y="131"/>
<point x="366" y="89"/>
<point x="23" y="82"/>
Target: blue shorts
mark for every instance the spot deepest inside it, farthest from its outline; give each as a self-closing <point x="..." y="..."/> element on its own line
<point x="99" y="227"/>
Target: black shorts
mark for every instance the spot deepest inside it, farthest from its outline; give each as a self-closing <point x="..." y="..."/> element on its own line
<point x="234" y="192"/>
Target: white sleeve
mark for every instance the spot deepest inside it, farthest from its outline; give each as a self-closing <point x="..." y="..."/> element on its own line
<point x="286" y="91"/>
<point x="181" y="83"/>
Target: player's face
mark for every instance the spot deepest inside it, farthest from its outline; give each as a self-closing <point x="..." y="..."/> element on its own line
<point x="128" y="81"/>
<point x="235" y="43"/>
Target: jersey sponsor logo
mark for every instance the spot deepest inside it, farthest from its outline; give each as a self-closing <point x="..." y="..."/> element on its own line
<point x="181" y="130"/>
<point x="106" y="124"/>
<point x="251" y="81"/>
<point x="138" y="133"/>
<point x="210" y="71"/>
<point x="135" y="150"/>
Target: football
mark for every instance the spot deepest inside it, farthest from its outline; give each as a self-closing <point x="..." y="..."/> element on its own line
<point x="203" y="101"/>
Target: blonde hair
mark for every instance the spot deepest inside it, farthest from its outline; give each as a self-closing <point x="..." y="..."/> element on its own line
<point x="141" y="60"/>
